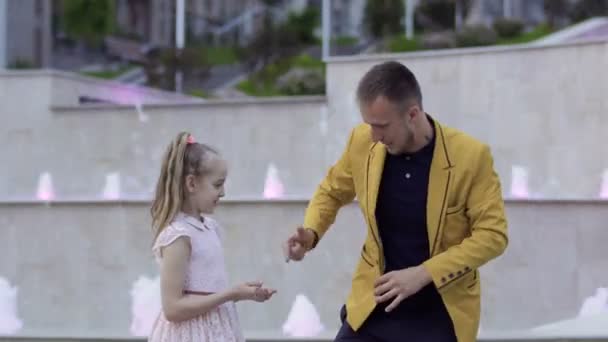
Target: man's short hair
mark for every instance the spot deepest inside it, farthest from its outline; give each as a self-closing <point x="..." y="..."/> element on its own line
<point x="392" y="80"/>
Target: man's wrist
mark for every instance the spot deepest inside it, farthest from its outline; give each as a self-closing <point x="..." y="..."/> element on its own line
<point x="315" y="239"/>
<point x="425" y="275"/>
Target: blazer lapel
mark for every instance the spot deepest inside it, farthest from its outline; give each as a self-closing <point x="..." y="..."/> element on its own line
<point x="440" y="178"/>
<point x="375" y="166"/>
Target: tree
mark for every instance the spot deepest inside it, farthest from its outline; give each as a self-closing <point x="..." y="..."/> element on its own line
<point x="555" y="10"/>
<point x="260" y="50"/>
<point x="302" y="25"/>
<point x="279" y="41"/>
<point x="163" y="63"/>
<point x="585" y="9"/>
<point x="442" y="14"/>
<point x="458" y="14"/>
<point x="383" y="17"/>
<point x="89" y="20"/>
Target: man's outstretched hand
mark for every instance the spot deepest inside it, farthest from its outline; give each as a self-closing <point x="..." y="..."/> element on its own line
<point x="298" y="244"/>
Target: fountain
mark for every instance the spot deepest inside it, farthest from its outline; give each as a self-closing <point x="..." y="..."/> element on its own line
<point x="604" y="187"/>
<point x="303" y="319"/>
<point x="273" y="187"/>
<point x="519" y="182"/>
<point x="111" y="190"/>
<point x="591" y="321"/>
<point x="9" y="321"/>
<point x="45" y="187"/>
<point x="145" y="305"/>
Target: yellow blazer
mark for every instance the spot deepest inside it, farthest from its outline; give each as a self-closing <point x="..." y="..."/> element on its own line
<point x="465" y="220"/>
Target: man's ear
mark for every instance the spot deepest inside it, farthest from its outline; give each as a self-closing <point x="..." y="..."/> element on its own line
<point x="414" y="112"/>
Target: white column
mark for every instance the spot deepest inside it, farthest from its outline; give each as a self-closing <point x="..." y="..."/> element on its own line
<point x="248" y="25"/>
<point x="409" y="19"/>
<point x="180" y="18"/>
<point x="507" y="8"/>
<point x="326" y="18"/>
<point x="458" y="14"/>
<point x="180" y="10"/>
<point x="3" y="29"/>
<point x="47" y="36"/>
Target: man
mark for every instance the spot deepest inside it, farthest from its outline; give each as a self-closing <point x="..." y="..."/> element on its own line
<point x="434" y="212"/>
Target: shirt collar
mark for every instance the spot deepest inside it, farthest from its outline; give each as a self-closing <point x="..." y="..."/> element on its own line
<point x="428" y="149"/>
<point x="191" y="220"/>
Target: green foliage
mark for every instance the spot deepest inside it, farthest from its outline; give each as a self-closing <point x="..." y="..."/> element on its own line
<point x="508" y="28"/>
<point x="585" y="9"/>
<point x="109" y="74"/>
<point x="345" y="41"/>
<point x="537" y="33"/>
<point x="302" y="25"/>
<point x="308" y="81"/>
<point x="90" y="20"/>
<point x="383" y="17"/>
<point x="306" y="61"/>
<point x="477" y="35"/>
<point x="440" y="12"/>
<point x="21" y="64"/>
<point x="555" y="9"/>
<point x="220" y="55"/>
<point x="402" y="44"/>
<point x="200" y="93"/>
<point x="163" y="64"/>
<point x="278" y="42"/>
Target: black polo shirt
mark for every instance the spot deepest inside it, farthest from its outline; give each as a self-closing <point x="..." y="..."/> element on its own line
<point x="401" y="218"/>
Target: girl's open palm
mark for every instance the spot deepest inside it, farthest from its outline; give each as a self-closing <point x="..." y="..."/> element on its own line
<point x="253" y="291"/>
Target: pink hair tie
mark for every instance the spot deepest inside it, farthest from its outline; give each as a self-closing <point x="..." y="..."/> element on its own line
<point x="190" y="140"/>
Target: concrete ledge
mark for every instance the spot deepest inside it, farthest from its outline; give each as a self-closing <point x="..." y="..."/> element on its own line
<point x="165" y="99"/>
<point x="277" y="338"/>
<point x="571" y="32"/>
<point x="279" y="100"/>
<point x="256" y="200"/>
<point x="83" y="248"/>
<point x="460" y="52"/>
<point x="147" y="93"/>
<point x="137" y="200"/>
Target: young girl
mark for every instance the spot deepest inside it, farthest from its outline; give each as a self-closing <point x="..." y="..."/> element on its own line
<point x="197" y="304"/>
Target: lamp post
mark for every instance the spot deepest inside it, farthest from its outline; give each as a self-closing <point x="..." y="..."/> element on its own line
<point x="326" y="18"/>
<point x="180" y="18"/>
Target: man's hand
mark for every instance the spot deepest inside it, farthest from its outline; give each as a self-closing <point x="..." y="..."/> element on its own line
<point x="298" y="244"/>
<point x="400" y="285"/>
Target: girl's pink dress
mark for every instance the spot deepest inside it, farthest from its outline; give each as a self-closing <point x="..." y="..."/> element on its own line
<point x="206" y="273"/>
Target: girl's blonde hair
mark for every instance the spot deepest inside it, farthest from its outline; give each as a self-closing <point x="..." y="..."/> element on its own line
<point x="183" y="157"/>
